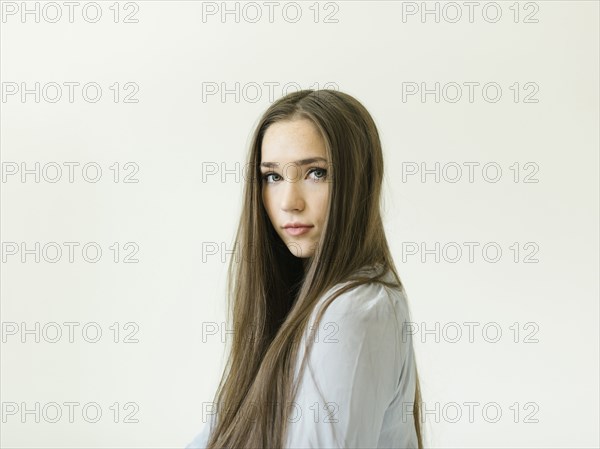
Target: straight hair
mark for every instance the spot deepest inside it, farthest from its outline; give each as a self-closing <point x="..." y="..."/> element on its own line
<point x="272" y="293"/>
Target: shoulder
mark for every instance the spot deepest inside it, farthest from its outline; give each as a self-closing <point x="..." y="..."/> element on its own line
<point x="369" y="315"/>
<point x="358" y="343"/>
<point x="367" y="303"/>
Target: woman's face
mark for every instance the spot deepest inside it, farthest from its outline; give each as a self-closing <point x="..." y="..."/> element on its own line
<point x="295" y="183"/>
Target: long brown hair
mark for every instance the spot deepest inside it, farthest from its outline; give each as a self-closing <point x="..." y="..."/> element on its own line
<point x="271" y="292"/>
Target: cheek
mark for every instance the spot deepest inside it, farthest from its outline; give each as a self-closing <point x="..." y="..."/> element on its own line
<point x="322" y="203"/>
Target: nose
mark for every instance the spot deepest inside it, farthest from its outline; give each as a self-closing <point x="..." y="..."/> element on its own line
<point x="292" y="198"/>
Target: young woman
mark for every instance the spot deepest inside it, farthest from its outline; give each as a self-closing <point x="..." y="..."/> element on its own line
<point x="319" y="356"/>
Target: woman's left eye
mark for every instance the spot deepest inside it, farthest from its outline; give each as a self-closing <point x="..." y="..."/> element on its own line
<point x="319" y="170"/>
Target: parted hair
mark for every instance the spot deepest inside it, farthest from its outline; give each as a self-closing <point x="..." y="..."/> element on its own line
<point x="272" y="293"/>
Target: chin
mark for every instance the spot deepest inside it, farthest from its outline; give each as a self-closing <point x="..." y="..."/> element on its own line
<point x="299" y="250"/>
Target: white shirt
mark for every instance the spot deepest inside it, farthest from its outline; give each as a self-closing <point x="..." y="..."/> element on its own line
<point x="358" y="385"/>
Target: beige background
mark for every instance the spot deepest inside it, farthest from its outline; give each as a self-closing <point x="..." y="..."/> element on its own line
<point x="172" y="213"/>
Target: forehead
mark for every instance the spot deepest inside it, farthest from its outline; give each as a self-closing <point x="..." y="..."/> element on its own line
<point x="292" y="140"/>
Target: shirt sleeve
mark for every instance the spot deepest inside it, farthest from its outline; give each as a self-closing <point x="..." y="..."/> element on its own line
<point x="352" y="373"/>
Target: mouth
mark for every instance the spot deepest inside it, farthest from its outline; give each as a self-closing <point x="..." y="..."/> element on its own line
<point x="295" y="230"/>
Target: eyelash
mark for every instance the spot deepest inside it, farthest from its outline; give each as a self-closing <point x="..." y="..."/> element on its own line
<point x="312" y="170"/>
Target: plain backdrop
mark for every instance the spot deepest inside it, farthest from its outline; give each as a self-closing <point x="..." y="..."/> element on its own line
<point x="528" y="291"/>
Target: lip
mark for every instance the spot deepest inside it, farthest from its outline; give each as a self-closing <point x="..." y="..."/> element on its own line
<point x="296" y="224"/>
<point x="298" y="230"/>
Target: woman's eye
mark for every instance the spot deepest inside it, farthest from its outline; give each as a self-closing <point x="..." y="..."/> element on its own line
<point x="321" y="173"/>
<point x="266" y="176"/>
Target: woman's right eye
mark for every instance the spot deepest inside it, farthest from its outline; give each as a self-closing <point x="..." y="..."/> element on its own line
<point x="265" y="177"/>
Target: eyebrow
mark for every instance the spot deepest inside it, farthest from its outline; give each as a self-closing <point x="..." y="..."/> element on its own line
<point x="300" y="162"/>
